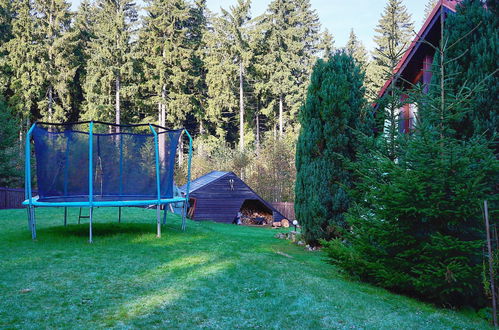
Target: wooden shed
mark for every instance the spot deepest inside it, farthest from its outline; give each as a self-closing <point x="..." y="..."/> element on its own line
<point x="219" y="196"/>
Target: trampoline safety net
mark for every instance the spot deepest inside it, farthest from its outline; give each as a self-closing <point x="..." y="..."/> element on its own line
<point x="123" y="161"/>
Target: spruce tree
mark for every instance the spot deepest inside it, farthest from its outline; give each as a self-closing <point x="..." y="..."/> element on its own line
<point x="25" y="55"/>
<point x="59" y="63"/>
<point x="326" y="44"/>
<point x="6" y="17"/>
<point x="429" y="8"/>
<point x="356" y="49"/>
<point x="9" y="151"/>
<point x="110" y="68"/>
<point x="83" y="30"/>
<point x="292" y="35"/>
<point x="394" y="33"/>
<point x="326" y="144"/>
<point x="473" y="47"/>
<point x="167" y="59"/>
<point x="235" y="22"/>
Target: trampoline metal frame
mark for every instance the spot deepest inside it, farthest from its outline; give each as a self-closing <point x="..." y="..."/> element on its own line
<point x="32" y="202"/>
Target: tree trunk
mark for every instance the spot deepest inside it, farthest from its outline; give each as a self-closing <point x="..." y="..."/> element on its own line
<point x="117" y="104"/>
<point x="281" y="105"/>
<point x="241" y="107"/>
<point x="257" y="133"/>
<point x="51" y="100"/>
<point x="162" y="122"/>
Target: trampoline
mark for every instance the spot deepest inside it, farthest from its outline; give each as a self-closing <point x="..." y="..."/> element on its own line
<point x="97" y="164"/>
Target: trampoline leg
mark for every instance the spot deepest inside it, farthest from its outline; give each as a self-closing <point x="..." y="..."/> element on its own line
<point x="184" y="211"/>
<point x="33" y="223"/>
<point x="165" y="210"/>
<point x="79" y="216"/>
<point x="90" y="225"/>
<point x="119" y="214"/>
<point x="28" y="211"/>
<point x="158" y="216"/>
<point x="65" y="216"/>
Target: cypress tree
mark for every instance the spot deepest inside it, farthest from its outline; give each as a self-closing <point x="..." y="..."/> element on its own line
<point x="326" y="144"/>
<point x="110" y="68"/>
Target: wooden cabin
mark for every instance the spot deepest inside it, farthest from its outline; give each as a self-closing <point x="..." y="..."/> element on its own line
<point x="219" y="196"/>
<point x="415" y="65"/>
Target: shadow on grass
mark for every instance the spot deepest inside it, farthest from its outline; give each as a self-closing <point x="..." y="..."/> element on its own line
<point x="99" y="229"/>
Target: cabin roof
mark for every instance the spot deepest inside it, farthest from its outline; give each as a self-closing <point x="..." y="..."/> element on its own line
<point x="203" y="181"/>
<point x="447" y="5"/>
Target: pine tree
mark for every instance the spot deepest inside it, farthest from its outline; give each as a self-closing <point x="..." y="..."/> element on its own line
<point x="356" y="49"/>
<point x="59" y="63"/>
<point x="326" y="144"/>
<point x="394" y="33"/>
<point x="167" y="58"/>
<point x="110" y="67"/>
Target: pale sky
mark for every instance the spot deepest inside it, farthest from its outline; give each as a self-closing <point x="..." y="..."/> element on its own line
<point x="338" y="16"/>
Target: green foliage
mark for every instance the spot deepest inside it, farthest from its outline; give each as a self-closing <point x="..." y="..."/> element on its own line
<point x="327" y="142"/>
<point x="58" y="62"/>
<point x="9" y="150"/>
<point x="472" y="60"/>
<point x="356" y="49"/>
<point x="417" y="226"/>
<point x="167" y="59"/>
<point x="110" y="67"/>
<point x="394" y="33"/>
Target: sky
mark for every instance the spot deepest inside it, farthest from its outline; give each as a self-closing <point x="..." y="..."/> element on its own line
<point x="338" y="16"/>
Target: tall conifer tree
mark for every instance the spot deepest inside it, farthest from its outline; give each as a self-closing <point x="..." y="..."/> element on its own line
<point x="356" y="49"/>
<point x="394" y="33"/>
<point x="292" y="38"/>
<point x="59" y="62"/>
<point x="25" y="54"/>
<point x="167" y="58"/>
<point x="327" y="142"/>
<point x="110" y="67"/>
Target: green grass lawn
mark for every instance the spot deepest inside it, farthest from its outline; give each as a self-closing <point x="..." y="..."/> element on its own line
<point x="212" y="275"/>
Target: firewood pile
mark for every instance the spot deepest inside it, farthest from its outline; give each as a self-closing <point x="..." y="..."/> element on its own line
<point x="255" y="217"/>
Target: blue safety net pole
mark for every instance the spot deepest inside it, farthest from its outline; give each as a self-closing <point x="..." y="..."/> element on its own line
<point x="158" y="186"/>
<point x="90" y="176"/>
<point x="188" y="179"/>
<point x="27" y="182"/>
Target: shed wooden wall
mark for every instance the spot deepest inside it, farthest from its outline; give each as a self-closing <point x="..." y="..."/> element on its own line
<point x="219" y="201"/>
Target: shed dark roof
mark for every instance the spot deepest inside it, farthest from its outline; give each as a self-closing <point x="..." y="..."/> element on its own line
<point x="203" y="181"/>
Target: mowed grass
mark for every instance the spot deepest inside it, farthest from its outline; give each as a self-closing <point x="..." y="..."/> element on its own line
<point x="212" y="275"/>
